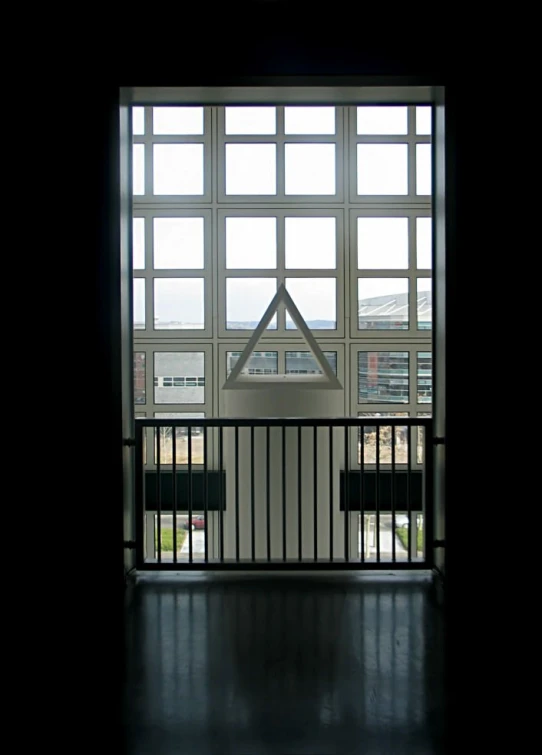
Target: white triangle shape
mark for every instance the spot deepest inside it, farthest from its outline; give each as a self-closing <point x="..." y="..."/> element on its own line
<point x="328" y="380"/>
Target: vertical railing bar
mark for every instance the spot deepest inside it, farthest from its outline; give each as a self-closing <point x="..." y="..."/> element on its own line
<point x="190" y="546"/>
<point x="158" y="498"/>
<point x="361" y="491"/>
<point x="283" y="493"/>
<point x="139" y="495"/>
<point x="299" y="501"/>
<point x="346" y="494"/>
<point x="428" y="511"/>
<point x="409" y="502"/>
<point x="377" y="493"/>
<point x="315" y="493"/>
<point x="174" y="489"/>
<point x="393" y="549"/>
<point x="268" y="489"/>
<point x="236" y="493"/>
<point x="221" y="491"/>
<point x="205" y="496"/>
<point x="331" y="492"/>
<point x="252" y="504"/>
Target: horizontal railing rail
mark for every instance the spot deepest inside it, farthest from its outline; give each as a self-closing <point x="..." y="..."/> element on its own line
<point x="279" y="493"/>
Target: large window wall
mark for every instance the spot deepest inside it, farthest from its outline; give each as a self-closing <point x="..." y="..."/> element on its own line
<point x="229" y="202"/>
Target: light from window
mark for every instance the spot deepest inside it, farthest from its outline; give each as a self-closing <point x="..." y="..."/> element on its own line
<point x="309" y="168"/>
<point x="383" y="377"/>
<point x="316" y="299"/>
<point x="138" y="121"/>
<point x="181" y="439"/>
<point x="251" y="243"/>
<point x="382" y="243"/>
<point x="383" y="169"/>
<point x="423" y="243"/>
<point x="179" y="304"/>
<point x="383" y="304"/>
<point x="138" y="245"/>
<point x="259" y="363"/>
<point x="423" y="169"/>
<point x="424" y="376"/>
<point x="138" y="169"/>
<point x="382" y="120"/>
<point x="180" y="363"/>
<point x="251" y="169"/>
<point x="386" y="433"/>
<point x="177" y="120"/>
<point x="304" y="363"/>
<point x="139" y="377"/>
<point x="178" y="169"/>
<point x="246" y="302"/>
<point x="310" y="243"/>
<point x="423" y="120"/>
<point x="250" y="120"/>
<point x="178" y="243"/>
<point x="309" y="120"/>
<point x="424" y="303"/>
<point x="139" y="303"/>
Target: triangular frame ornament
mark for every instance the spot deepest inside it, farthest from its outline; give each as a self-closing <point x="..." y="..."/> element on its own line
<point x="238" y="381"/>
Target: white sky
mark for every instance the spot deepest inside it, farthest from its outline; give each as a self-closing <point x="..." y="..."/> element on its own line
<point x="251" y="242"/>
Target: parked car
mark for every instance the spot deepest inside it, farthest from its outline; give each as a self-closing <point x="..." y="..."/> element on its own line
<point x="198" y="522"/>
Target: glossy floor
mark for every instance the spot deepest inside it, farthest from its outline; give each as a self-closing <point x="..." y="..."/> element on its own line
<point x="235" y="665"/>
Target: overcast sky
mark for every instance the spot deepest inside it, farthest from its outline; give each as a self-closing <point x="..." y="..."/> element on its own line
<point x="251" y="242"/>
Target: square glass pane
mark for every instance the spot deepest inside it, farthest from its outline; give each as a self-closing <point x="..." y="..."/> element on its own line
<point x="177" y="120"/>
<point x="178" y="169"/>
<point x="385" y="435"/>
<point x="316" y="299"/>
<point x="423" y="120"/>
<point x="383" y="304"/>
<point x="139" y="304"/>
<point x="181" y="439"/>
<point x="251" y="243"/>
<point x="311" y="243"/>
<point x="383" y="377"/>
<point x="188" y="367"/>
<point x="138" y="243"/>
<point x="178" y="243"/>
<point x="251" y="120"/>
<point x="139" y="377"/>
<point x="425" y="304"/>
<point x="138" y="169"/>
<point x="309" y="120"/>
<point x="179" y="304"/>
<point x="424" y="243"/>
<point x="246" y="302"/>
<point x="383" y="169"/>
<point x="425" y="377"/>
<point x="251" y="169"/>
<point x="423" y="169"/>
<point x="304" y="363"/>
<point x="259" y="363"/>
<point x="380" y="119"/>
<point x="309" y="168"/>
<point x="382" y="243"/>
<point x="138" y="121"/>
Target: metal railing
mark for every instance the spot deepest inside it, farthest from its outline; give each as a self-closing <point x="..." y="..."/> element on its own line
<point x="345" y="493"/>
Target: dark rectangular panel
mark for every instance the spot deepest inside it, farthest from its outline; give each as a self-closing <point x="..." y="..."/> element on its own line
<point x="182" y="485"/>
<point x="384" y="491"/>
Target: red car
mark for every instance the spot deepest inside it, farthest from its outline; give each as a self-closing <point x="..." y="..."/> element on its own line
<point x="198" y="522"/>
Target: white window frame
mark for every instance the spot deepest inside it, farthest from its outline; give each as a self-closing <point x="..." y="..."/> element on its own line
<point x="280" y="273"/>
<point x="280" y="139"/>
